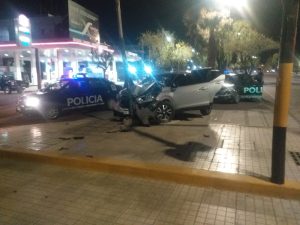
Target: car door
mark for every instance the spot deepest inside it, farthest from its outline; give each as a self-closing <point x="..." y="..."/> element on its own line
<point x="73" y="96"/>
<point x="98" y="92"/>
<point x="189" y="92"/>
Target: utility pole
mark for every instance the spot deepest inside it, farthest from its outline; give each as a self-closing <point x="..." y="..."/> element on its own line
<point x="128" y="82"/>
<point x="283" y="88"/>
<point x="38" y="68"/>
<point x="121" y="35"/>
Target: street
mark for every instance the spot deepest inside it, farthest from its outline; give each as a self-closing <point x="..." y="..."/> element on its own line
<point x="269" y="93"/>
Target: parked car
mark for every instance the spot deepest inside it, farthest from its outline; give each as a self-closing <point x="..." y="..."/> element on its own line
<point x="183" y="91"/>
<point x="239" y="86"/>
<point x="8" y="84"/>
<point x="68" y="95"/>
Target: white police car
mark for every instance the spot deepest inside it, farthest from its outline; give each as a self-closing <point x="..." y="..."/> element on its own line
<point x="66" y="95"/>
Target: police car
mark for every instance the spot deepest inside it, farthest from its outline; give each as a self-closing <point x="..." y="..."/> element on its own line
<point x="66" y="95"/>
<point x="240" y="86"/>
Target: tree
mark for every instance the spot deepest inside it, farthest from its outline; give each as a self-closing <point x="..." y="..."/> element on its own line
<point x="207" y="28"/>
<point x="243" y="44"/>
<point x="225" y="41"/>
<point x="103" y="59"/>
<point x="166" y="54"/>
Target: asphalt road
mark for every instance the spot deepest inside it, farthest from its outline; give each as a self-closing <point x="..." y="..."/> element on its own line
<point x="8" y="105"/>
<point x="270" y="90"/>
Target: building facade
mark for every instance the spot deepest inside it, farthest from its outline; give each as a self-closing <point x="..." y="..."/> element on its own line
<point x="57" y="42"/>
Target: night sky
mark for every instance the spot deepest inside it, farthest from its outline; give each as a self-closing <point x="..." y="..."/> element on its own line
<point x="142" y="15"/>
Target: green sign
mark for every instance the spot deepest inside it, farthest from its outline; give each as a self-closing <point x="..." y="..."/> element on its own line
<point x="252" y="91"/>
<point x="23" y="31"/>
<point x="83" y="24"/>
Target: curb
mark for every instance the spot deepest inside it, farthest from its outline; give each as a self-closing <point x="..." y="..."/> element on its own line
<point x="182" y="175"/>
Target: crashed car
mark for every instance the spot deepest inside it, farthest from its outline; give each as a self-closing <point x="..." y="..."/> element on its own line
<point x="186" y="91"/>
<point x="68" y="95"/>
<point x="239" y="86"/>
<point x="180" y="91"/>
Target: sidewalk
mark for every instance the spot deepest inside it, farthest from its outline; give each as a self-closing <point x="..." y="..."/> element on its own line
<point x="231" y="140"/>
<point x="43" y="194"/>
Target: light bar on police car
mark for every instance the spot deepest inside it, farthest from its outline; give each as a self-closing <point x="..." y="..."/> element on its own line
<point x="148" y="69"/>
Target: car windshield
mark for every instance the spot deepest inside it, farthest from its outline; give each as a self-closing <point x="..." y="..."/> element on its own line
<point x="145" y="85"/>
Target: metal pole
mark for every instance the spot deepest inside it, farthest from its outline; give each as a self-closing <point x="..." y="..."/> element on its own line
<point x="128" y="82"/>
<point x="121" y="36"/>
<point x="283" y="88"/>
<point x="38" y="68"/>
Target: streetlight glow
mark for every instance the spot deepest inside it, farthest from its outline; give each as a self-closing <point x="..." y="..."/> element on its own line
<point x="237" y="4"/>
<point x="169" y="39"/>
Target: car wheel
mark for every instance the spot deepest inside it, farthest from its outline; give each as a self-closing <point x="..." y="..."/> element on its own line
<point x="51" y="112"/>
<point x="236" y="98"/>
<point x="164" y="112"/>
<point x="206" y="110"/>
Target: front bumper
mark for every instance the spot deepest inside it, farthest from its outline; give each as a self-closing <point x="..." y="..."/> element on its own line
<point x="226" y="94"/>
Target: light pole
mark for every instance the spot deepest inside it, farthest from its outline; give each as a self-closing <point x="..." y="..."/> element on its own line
<point x="283" y="88"/>
<point x="121" y="37"/>
<point x="128" y="82"/>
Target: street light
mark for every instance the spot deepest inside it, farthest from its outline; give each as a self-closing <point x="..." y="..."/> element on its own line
<point x="237" y="4"/>
<point x="169" y="38"/>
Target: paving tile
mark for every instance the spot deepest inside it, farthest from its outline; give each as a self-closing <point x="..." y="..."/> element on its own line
<point x="87" y="197"/>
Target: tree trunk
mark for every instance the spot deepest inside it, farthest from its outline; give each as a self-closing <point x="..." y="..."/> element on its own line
<point x="212" y="49"/>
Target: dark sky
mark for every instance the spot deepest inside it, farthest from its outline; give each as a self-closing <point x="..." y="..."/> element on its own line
<point x="141" y="15"/>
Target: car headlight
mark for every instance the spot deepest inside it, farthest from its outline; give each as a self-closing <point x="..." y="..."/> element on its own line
<point x="228" y="85"/>
<point x="32" y="101"/>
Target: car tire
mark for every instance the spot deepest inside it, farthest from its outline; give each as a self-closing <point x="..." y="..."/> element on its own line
<point x="51" y="112"/>
<point x="206" y="110"/>
<point x="164" y="112"/>
<point x="236" y="99"/>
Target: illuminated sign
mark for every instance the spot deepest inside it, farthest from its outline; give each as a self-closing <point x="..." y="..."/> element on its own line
<point x="83" y="24"/>
<point x="253" y="91"/>
<point x="23" y="31"/>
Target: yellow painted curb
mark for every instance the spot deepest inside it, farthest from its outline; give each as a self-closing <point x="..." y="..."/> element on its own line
<point x="182" y="175"/>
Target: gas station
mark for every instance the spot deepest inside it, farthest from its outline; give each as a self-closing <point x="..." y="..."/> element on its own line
<point x="58" y="45"/>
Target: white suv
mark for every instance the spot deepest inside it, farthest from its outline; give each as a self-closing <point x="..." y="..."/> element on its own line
<point x="183" y="91"/>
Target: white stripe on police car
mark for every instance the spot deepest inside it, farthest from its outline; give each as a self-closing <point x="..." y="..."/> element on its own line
<point x="84" y="101"/>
